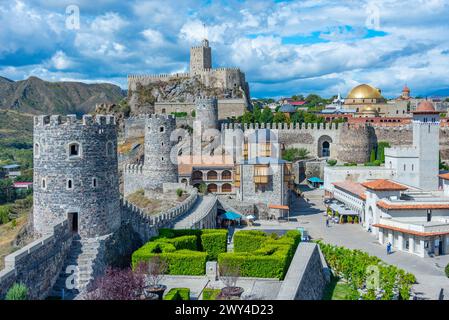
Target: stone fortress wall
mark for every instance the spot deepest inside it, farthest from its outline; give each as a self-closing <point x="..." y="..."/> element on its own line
<point x="348" y="142"/>
<point x="38" y="264"/>
<point x="76" y="174"/>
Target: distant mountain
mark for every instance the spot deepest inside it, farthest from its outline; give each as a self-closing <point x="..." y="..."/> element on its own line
<point x="439" y="93"/>
<point x="36" y="96"/>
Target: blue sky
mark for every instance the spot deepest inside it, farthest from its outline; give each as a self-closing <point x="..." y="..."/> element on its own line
<point x="284" y="47"/>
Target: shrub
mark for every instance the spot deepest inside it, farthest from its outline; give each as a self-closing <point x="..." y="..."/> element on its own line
<point x="18" y="291"/>
<point x="248" y="240"/>
<point x="446" y="270"/>
<point x="179" y="192"/>
<point x="183" y="242"/>
<point x="350" y="164"/>
<point x="210" y="294"/>
<point x="214" y="241"/>
<point x="349" y="219"/>
<point x="178" y="294"/>
<point x="332" y="162"/>
<point x="149" y="250"/>
<point x="186" y="262"/>
<point x="270" y="260"/>
<point x="356" y="219"/>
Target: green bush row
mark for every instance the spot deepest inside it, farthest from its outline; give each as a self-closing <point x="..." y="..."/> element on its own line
<point x="270" y="260"/>
<point x="248" y="240"/>
<point x="211" y="294"/>
<point x="178" y="294"/>
<point x="355" y="267"/>
<point x="214" y="242"/>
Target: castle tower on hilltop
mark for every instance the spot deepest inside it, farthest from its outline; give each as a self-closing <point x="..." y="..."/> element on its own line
<point x="200" y="57"/>
<point x="76" y="174"/>
<point x="159" y="167"/>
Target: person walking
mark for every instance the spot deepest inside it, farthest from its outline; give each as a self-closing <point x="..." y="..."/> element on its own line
<point x="327" y="222"/>
<point x="388" y="248"/>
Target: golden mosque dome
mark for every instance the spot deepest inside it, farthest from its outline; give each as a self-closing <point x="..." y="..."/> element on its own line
<point x="364" y="91"/>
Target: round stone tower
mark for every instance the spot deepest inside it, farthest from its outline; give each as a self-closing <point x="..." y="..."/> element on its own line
<point x="355" y="143"/>
<point x="76" y="174"/>
<point x="207" y="112"/>
<point x="160" y="155"/>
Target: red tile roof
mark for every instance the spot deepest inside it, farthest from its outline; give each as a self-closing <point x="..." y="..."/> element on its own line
<point x="353" y="187"/>
<point x="384" y="185"/>
<point x="411" y="206"/>
<point x="416" y="233"/>
<point x="277" y="206"/>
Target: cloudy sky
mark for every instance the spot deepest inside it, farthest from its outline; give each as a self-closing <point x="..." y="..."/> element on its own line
<point x="284" y="47"/>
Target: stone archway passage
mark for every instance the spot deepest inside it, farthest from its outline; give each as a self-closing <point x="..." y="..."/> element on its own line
<point x="324" y="146"/>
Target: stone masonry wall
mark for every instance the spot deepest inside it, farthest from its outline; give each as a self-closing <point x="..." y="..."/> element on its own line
<point x="38" y="264"/>
<point x="307" y="275"/>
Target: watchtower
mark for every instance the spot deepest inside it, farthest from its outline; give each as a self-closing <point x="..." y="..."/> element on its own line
<point x="200" y="57"/>
<point x="76" y="174"/>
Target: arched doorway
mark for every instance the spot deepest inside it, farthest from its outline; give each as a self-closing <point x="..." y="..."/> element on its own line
<point x="324" y="146"/>
<point x="212" y="187"/>
<point x="226" y="188"/>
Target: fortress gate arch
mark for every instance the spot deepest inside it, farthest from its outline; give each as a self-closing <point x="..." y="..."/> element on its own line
<point x="324" y="146"/>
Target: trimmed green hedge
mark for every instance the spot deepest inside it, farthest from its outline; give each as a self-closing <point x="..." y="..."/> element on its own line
<point x="186" y="251"/>
<point x="178" y="294"/>
<point x="248" y="240"/>
<point x="214" y="242"/>
<point x="270" y="260"/>
<point x="211" y="294"/>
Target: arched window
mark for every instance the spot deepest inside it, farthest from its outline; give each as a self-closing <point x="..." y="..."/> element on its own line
<point x="212" y="187"/>
<point x="226" y="187"/>
<point x="74" y="149"/>
<point x="184" y="180"/>
<point x="226" y="175"/>
<point x="212" y="175"/>
<point x="94" y="182"/>
<point x="44" y="183"/>
<point x="197" y="175"/>
<point x="37" y="150"/>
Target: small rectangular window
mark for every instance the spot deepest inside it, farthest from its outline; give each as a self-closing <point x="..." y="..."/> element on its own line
<point x="94" y="182"/>
<point x="69" y="184"/>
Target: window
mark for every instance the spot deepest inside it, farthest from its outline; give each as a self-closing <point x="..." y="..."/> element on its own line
<point x="44" y="183"/>
<point x="109" y="149"/>
<point x="94" y="182"/>
<point x="413" y="167"/>
<point x="162" y="158"/>
<point x="162" y="144"/>
<point x="161" y="129"/>
<point x="69" y="184"/>
<point x="37" y="151"/>
<point x="74" y="149"/>
<point x="404" y="167"/>
<point x="163" y="110"/>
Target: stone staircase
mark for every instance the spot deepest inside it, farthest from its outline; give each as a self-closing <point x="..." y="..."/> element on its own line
<point x="78" y="270"/>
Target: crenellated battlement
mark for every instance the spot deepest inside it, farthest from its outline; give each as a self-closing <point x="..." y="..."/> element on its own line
<point x="281" y="126"/>
<point x="133" y="168"/>
<point x="159" y="117"/>
<point x="157" y="76"/>
<point x="71" y="119"/>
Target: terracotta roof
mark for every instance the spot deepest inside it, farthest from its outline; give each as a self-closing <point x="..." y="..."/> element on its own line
<point x="411" y="206"/>
<point x="384" y="185"/>
<point x="278" y="206"/>
<point x="425" y="107"/>
<point x="407" y="89"/>
<point x="416" y="233"/>
<point x="353" y="187"/>
<point x="444" y="176"/>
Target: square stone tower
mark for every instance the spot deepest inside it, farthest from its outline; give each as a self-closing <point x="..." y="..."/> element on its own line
<point x="200" y="58"/>
<point x="426" y="132"/>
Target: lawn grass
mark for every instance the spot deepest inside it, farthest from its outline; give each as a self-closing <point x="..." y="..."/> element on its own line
<point x="337" y="290"/>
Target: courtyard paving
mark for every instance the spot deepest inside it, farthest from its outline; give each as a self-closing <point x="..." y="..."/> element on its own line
<point x="308" y="212"/>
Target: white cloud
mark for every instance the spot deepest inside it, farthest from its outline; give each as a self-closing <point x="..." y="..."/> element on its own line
<point x="60" y="61"/>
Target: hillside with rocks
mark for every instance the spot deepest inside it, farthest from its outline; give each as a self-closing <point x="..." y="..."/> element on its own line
<point x="36" y="96"/>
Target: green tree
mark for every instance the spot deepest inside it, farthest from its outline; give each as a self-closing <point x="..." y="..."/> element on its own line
<point x="266" y="116"/>
<point x="279" y="117"/>
<point x="18" y="291"/>
<point x="7" y="192"/>
<point x="293" y="154"/>
<point x="5" y="210"/>
<point x="257" y="114"/>
<point x="247" y="117"/>
<point x="381" y="150"/>
<point x="372" y="157"/>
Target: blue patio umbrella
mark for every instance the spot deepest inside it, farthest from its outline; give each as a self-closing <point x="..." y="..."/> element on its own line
<point x="230" y="215"/>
